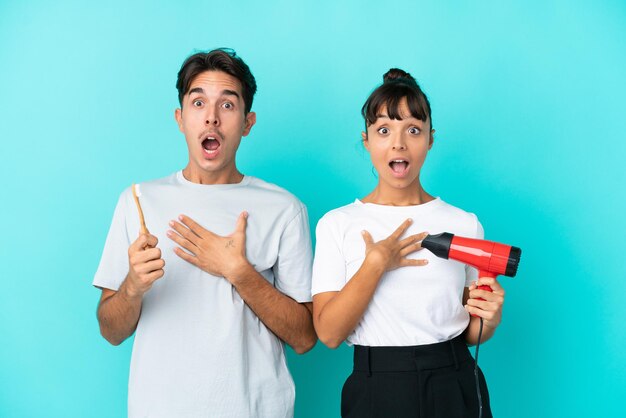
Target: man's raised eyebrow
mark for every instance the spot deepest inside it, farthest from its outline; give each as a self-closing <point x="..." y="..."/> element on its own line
<point x="224" y="92"/>
<point x="196" y="90"/>
<point x="230" y="93"/>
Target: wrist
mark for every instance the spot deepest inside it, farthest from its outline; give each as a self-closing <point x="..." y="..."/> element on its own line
<point x="238" y="272"/>
<point x="129" y="291"/>
<point x="490" y="325"/>
<point x="375" y="263"/>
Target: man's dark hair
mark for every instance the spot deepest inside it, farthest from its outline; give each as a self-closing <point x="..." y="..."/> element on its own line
<point x="221" y="59"/>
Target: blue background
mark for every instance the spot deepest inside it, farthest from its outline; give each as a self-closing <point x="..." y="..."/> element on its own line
<point x="528" y="103"/>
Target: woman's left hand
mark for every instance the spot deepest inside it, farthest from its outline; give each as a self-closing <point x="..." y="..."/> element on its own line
<point x="490" y="309"/>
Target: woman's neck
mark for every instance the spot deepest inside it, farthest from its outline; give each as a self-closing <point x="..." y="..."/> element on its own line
<point x="390" y="196"/>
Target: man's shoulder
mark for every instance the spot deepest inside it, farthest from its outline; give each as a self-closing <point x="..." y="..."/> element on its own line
<point x="169" y="180"/>
<point x="267" y="190"/>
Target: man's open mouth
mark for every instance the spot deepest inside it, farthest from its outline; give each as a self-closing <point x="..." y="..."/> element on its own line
<point x="210" y="144"/>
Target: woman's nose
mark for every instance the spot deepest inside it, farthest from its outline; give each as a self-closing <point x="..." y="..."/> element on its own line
<point x="398" y="143"/>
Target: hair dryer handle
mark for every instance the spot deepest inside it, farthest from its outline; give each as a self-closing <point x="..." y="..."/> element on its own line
<point x="485" y="287"/>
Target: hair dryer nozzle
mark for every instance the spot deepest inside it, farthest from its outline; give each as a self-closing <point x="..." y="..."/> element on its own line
<point x="438" y="244"/>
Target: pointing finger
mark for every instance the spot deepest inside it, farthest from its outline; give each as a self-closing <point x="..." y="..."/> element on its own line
<point x="195" y="227"/>
<point x="401" y="229"/>
<point x="416" y="238"/>
<point x="184" y="232"/>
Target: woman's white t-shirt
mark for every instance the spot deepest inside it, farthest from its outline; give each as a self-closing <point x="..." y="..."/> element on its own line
<point x="411" y="305"/>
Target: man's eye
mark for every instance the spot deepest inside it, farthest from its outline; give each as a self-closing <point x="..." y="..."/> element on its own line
<point x="227" y="105"/>
<point x="197" y="103"/>
<point x="383" y="131"/>
<point x="414" y="131"/>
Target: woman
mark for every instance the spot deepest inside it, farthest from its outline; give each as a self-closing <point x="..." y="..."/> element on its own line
<point x="407" y="317"/>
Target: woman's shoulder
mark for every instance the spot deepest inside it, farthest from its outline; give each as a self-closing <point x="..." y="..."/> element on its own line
<point x="459" y="221"/>
<point x="340" y="214"/>
<point x="455" y="211"/>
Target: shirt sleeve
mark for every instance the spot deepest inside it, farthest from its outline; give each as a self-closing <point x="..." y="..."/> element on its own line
<point x="329" y="266"/>
<point x="471" y="274"/>
<point x="114" y="265"/>
<point x="292" y="271"/>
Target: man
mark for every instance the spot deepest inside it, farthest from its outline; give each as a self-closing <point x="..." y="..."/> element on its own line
<point x="223" y="277"/>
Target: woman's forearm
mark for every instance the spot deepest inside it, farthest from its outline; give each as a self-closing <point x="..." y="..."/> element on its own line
<point x="339" y="316"/>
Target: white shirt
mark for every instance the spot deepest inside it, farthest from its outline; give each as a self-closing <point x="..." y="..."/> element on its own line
<point x="199" y="350"/>
<point x="411" y="305"/>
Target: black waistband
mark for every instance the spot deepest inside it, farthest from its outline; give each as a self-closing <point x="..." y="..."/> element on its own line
<point x="411" y="358"/>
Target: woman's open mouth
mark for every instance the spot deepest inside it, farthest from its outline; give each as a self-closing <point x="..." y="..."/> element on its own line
<point x="399" y="167"/>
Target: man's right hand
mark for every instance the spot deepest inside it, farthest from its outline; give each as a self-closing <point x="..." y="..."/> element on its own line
<point x="145" y="265"/>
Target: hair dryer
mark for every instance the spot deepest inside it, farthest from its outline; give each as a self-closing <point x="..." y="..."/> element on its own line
<point x="490" y="258"/>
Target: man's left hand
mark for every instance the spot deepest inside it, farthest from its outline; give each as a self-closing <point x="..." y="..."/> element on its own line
<point x="215" y="254"/>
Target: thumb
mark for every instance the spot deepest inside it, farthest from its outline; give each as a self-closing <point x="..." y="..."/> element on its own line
<point x="367" y="237"/>
<point x="140" y="243"/>
<point x="242" y="223"/>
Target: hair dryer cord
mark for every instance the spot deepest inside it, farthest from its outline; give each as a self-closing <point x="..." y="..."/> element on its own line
<point x="480" y="399"/>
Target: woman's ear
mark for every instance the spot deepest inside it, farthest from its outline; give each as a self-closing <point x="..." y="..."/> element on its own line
<point x="431" y="140"/>
<point x="366" y="144"/>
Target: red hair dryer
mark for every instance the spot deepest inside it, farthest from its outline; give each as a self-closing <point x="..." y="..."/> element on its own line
<point x="490" y="258"/>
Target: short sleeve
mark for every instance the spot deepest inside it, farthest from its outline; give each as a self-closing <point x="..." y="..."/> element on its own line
<point x="292" y="271"/>
<point x="329" y="266"/>
<point x="113" y="266"/>
<point x="471" y="274"/>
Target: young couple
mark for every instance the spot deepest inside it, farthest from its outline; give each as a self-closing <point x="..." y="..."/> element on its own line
<point x="225" y="275"/>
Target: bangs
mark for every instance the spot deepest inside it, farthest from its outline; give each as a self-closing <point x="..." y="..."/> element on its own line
<point x="390" y="96"/>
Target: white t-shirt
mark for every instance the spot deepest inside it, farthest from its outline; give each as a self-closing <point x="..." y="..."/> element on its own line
<point x="411" y="305"/>
<point x="199" y="350"/>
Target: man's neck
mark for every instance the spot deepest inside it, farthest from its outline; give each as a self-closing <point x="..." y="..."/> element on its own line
<point x="195" y="175"/>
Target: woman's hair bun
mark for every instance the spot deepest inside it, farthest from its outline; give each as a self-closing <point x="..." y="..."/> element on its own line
<point x="396" y="74"/>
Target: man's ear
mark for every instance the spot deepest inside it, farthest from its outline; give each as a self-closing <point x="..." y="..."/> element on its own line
<point x="366" y="144"/>
<point x="178" y="115"/>
<point x="249" y="123"/>
<point x="431" y="140"/>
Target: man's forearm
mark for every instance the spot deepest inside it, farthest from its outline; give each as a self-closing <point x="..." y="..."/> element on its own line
<point x="118" y="314"/>
<point x="289" y="320"/>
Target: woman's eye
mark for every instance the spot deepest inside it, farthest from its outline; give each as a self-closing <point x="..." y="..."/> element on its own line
<point x="383" y="131"/>
<point x="414" y="131"/>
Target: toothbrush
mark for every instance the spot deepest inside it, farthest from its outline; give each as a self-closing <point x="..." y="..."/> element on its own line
<point x="136" y="194"/>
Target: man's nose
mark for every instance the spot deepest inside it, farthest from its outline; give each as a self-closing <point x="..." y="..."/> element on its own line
<point x="212" y="119"/>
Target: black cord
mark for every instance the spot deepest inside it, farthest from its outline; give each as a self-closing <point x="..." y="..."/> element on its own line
<point x="480" y="398"/>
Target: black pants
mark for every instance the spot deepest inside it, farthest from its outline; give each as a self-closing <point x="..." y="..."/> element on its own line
<point x="435" y="380"/>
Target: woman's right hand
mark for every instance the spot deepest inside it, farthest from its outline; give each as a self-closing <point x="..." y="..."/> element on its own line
<point x="392" y="252"/>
